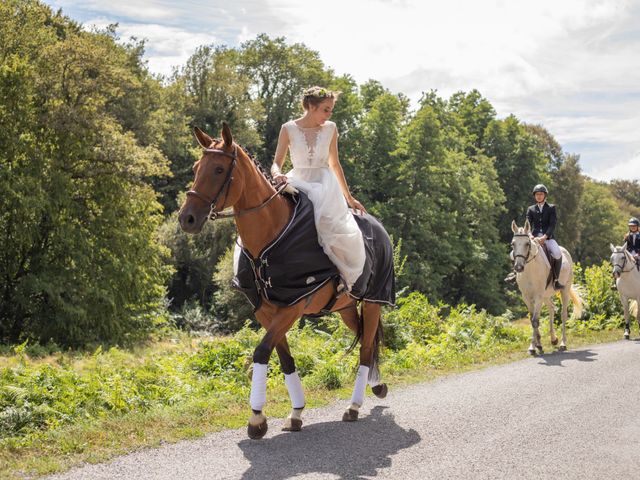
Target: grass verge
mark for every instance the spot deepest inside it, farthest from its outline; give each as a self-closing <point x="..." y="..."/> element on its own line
<point x="99" y="435"/>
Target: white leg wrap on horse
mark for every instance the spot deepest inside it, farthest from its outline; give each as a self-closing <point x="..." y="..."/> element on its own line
<point x="294" y="386"/>
<point x="258" y="395"/>
<point x="361" y="384"/>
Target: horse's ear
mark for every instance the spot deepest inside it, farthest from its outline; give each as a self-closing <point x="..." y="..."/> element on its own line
<point x="527" y="226"/>
<point x="613" y="249"/>
<point x="226" y="134"/>
<point x="514" y="227"/>
<point x="204" y="140"/>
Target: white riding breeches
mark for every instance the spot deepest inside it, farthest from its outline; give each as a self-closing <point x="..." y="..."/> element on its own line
<point x="553" y="248"/>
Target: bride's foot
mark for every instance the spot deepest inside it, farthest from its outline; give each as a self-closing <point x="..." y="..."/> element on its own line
<point x="342" y="286"/>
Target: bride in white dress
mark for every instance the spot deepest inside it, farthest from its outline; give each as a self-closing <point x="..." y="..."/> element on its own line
<point x="312" y="141"/>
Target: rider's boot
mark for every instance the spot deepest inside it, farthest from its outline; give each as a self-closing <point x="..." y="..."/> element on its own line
<point x="511" y="277"/>
<point x="557" y="265"/>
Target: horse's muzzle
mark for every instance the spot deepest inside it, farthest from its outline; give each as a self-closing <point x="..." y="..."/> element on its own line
<point x="189" y="222"/>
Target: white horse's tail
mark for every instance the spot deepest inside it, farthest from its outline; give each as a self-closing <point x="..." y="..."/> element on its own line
<point x="633" y="308"/>
<point x="576" y="299"/>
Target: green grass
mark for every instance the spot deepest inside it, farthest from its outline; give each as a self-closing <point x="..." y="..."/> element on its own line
<point x="90" y="407"/>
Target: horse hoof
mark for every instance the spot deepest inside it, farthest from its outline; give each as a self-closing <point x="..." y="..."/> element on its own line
<point x="562" y="348"/>
<point x="256" y="432"/>
<point x="292" y="425"/>
<point x="626" y="336"/>
<point x="350" y="415"/>
<point x="532" y="352"/>
<point x="554" y="342"/>
<point x="380" y="390"/>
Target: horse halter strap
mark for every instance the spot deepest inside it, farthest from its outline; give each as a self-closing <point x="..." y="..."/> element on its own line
<point x="215" y="214"/>
<point x="624" y="262"/>
<point x="225" y="186"/>
<point x="526" y="257"/>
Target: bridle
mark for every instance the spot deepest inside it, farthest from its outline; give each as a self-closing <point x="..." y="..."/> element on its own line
<point x="624" y="262"/>
<point x="226" y="186"/>
<point x="519" y="255"/>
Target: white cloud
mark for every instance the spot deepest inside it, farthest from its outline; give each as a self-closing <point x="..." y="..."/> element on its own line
<point x="628" y="169"/>
<point x="166" y="47"/>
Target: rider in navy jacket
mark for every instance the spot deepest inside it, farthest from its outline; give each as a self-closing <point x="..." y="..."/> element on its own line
<point x="632" y="239"/>
<point x="542" y="217"/>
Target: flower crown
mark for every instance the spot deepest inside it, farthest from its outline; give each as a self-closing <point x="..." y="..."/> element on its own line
<point x="317" y="92"/>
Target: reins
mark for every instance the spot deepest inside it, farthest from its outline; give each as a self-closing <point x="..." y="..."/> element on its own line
<point x="216" y="214"/>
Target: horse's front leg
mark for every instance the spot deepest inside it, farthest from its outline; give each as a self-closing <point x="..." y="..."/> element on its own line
<point x="535" y="329"/>
<point x="625" y="310"/>
<point x="368" y="371"/>
<point x="293" y="423"/>
<point x="277" y="321"/>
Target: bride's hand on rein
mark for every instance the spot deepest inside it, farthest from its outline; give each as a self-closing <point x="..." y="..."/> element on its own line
<point x="280" y="179"/>
<point x="357" y="206"/>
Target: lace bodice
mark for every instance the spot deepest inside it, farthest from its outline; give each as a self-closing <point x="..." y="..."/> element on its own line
<point x="309" y="147"/>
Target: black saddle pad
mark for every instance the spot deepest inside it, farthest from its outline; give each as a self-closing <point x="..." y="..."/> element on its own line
<point x="294" y="265"/>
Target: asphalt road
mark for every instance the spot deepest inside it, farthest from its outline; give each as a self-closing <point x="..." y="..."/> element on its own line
<point x="558" y="416"/>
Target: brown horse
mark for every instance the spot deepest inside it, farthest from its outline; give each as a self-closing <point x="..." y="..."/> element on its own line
<point x="225" y="176"/>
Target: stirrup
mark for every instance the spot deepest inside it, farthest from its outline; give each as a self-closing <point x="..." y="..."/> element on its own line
<point x="557" y="285"/>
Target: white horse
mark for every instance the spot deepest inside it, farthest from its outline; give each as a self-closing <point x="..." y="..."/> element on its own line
<point x="532" y="275"/>
<point x="627" y="282"/>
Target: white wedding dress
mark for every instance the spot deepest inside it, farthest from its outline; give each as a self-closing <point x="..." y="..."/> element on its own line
<point x="338" y="232"/>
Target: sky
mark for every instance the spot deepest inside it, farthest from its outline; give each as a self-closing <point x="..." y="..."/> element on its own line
<point x="571" y="65"/>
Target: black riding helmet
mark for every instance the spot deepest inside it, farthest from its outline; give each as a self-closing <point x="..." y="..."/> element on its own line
<point x="634" y="221"/>
<point x="540" y="188"/>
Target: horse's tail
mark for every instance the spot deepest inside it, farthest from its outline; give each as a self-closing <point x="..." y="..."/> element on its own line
<point x="576" y="299"/>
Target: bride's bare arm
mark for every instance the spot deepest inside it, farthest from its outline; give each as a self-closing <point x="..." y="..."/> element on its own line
<point x="334" y="164"/>
<point x="281" y="153"/>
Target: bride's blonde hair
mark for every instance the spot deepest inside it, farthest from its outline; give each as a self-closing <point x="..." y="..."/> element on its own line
<point x="316" y="95"/>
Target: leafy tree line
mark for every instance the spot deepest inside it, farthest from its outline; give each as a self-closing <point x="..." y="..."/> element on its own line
<point x="95" y="153"/>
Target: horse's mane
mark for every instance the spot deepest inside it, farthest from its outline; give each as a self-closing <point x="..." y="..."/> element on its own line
<point x="265" y="173"/>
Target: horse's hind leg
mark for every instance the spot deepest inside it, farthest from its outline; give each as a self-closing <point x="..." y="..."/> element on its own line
<point x="350" y="317"/>
<point x="368" y="371"/>
<point x="625" y="311"/>
<point x="552" y="328"/>
<point x="293" y="423"/>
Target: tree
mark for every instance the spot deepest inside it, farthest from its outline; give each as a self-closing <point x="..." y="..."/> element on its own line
<point x="80" y="259"/>
<point x="601" y="223"/>
<point x="628" y="193"/>
<point x="567" y="187"/>
<point x="194" y="259"/>
<point x="520" y="165"/>
<point x="476" y="113"/>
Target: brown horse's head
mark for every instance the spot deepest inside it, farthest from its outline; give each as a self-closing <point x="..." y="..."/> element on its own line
<point x="217" y="184"/>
